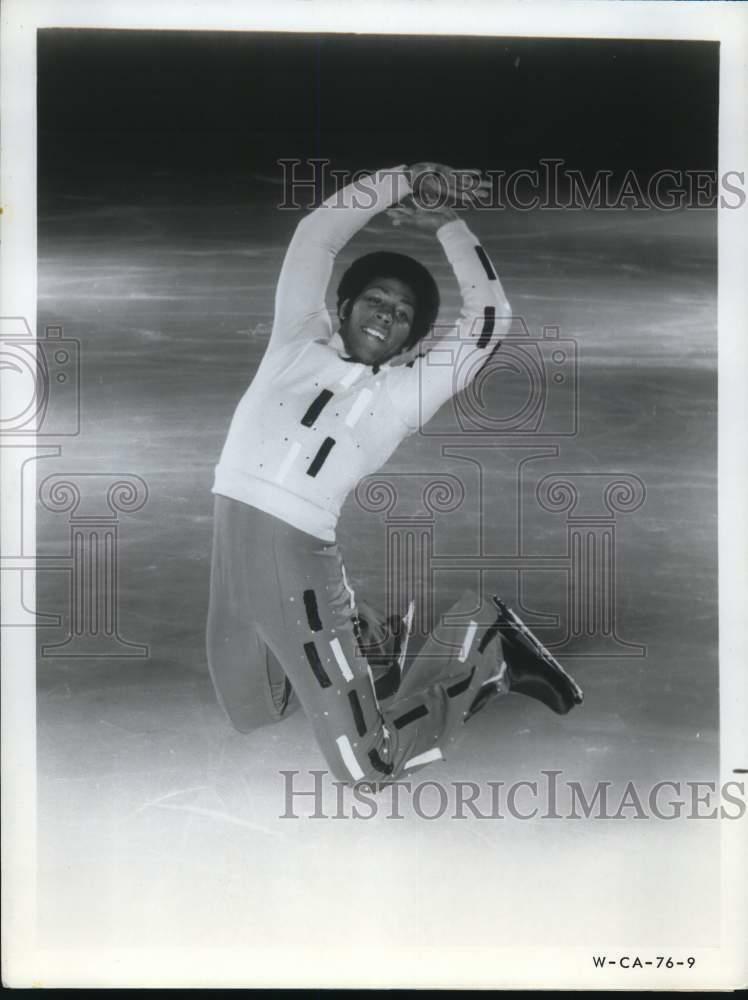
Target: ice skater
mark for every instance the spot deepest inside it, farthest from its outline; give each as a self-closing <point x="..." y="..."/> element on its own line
<point x="326" y="408"/>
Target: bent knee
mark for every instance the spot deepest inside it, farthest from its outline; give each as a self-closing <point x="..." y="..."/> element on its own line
<point x="351" y="765"/>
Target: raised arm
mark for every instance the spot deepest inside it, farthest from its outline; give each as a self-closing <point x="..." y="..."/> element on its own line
<point x="448" y="363"/>
<point x="300" y="310"/>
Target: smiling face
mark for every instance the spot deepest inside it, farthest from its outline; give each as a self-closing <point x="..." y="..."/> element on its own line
<point x="376" y="325"/>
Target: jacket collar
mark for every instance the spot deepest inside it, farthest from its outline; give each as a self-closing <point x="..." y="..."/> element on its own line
<point x="336" y="343"/>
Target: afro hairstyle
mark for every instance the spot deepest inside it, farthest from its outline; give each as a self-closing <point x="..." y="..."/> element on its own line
<point x="395" y="265"/>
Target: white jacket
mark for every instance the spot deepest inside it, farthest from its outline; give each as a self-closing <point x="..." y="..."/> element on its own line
<point x="312" y="423"/>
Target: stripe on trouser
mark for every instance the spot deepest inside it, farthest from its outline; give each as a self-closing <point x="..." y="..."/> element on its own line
<point x="489" y="323"/>
<point x="460" y="686"/>
<point x="288" y="461"/>
<point x="387" y="684"/>
<point x="424" y="758"/>
<point x="316" y="407"/>
<point x="487" y="265"/>
<point x="316" y="664"/>
<point x="342" y="662"/>
<point x="371" y="680"/>
<point x="358" y="715"/>
<point x="379" y="764"/>
<point x="468" y="641"/>
<point x="351" y="593"/>
<point x="349" y="758"/>
<point x="415" y="713"/>
<point x="319" y="459"/>
<point x="396" y="645"/>
<point x="359" y="405"/>
<point x="312" y="611"/>
<point x="408" y="622"/>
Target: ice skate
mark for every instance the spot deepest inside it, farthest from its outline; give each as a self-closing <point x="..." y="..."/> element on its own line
<point x="530" y="669"/>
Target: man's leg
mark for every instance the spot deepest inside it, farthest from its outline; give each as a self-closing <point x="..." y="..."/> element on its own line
<point x="384" y="643"/>
<point x="440" y="687"/>
<point x="310" y="628"/>
<point x="313" y="637"/>
<point x="305" y="612"/>
<point x="473" y="655"/>
<point x="249" y="682"/>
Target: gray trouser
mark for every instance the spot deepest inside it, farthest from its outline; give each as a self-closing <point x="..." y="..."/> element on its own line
<point x="281" y="628"/>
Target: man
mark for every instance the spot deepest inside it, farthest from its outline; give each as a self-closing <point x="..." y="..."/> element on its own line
<point x="326" y="408"/>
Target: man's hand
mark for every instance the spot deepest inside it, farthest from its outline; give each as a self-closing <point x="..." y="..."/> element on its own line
<point x="409" y="213"/>
<point x="435" y="185"/>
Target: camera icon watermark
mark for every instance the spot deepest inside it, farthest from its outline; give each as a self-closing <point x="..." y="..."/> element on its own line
<point x="45" y="372"/>
<point x="528" y="386"/>
<point x="40" y="404"/>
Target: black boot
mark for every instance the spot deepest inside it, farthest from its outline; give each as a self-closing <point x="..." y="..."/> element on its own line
<point x="531" y="670"/>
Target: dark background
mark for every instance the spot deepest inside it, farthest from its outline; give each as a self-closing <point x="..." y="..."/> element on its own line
<point x="174" y="114"/>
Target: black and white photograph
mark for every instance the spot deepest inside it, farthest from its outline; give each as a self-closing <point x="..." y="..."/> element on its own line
<point x="373" y="494"/>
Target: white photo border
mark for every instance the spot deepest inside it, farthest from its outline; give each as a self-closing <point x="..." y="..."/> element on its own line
<point x="726" y="23"/>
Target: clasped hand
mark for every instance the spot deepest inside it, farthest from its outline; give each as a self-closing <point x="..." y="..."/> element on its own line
<point x="437" y="191"/>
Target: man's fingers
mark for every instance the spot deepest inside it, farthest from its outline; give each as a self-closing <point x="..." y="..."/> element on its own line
<point x="436" y="184"/>
<point x="468" y="180"/>
<point x="401" y="211"/>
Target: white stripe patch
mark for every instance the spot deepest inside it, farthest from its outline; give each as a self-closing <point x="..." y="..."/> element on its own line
<point x="293" y="453"/>
<point x="354" y="414"/>
<point x="371" y="678"/>
<point x="408" y="622"/>
<point x="339" y="655"/>
<point x="376" y="700"/>
<point x="351" y="594"/>
<point x="468" y="641"/>
<point x="350" y="376"/>
<point x="499" y="676"/>
<point x="424" y="758"/>
<point x="349" y="758"/>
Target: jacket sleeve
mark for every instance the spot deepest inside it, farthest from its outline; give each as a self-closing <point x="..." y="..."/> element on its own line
<point x="300" y="310"/>
<point x="455" y="357"/>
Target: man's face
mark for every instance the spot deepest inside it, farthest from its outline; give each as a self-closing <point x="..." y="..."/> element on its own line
<point x="377" y="325"/>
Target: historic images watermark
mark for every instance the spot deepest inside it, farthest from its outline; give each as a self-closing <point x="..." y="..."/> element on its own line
<point x="514" y="410"/>
<point x="549" y="185"/>
<point x="476" y="429"/>
<point x="548" y="795"/>
<point x="38" y="416"/>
